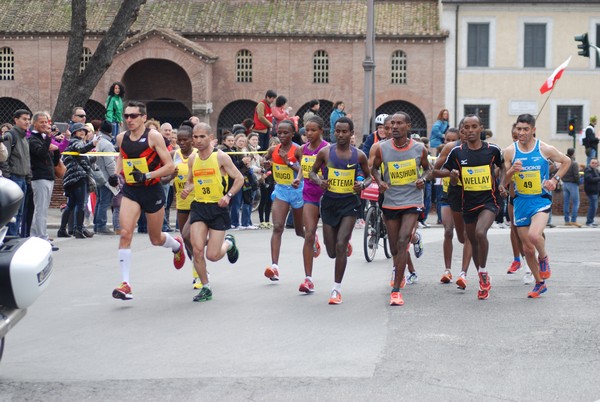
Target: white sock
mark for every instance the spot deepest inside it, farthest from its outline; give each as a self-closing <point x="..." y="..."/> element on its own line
<point x="274" y="266"/>
<point x="463" y="274"/>
<point x="337" y="286"/>
<point x="230" y="244"/>
<point x="206" y="285"/>
<point x="171" y="243"/>
<point x="125" y="263"/>
<point x="482" y="270"/>
<point x="309" y="278"/>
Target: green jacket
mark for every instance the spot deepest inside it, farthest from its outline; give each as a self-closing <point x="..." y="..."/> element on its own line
<point x="114" y="109"/>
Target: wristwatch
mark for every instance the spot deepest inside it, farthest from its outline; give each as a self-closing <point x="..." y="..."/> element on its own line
<point x="290" y="163"/>
<point x="557" y="177"/>
<point x="229" y="195"/>
<point x="148" y="176"/>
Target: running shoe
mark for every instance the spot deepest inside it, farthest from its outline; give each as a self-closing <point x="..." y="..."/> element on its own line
<point x="461" y="282"/>
<point x="179" y="255"/>
<point x="485" y="285"/>
<point x="335" y="298"/>
<point x="447" y="277"/>
<point x="349" y="250"/>
<point x="316" y="247"/>
<point x="123" y="292"/>
<point x="233" y="253"/>
<point x="545" y="271"/>
<point x="197" y="283"/>
<point x="204" y="295"/>
<point x="538" y="289"/>
<point x="528" y="278"/>
<point x="307" y="287"/>
<point x="360" y="224"/>
<point x="272" y="273"/>
<point x="418" y="246"/>
<point x="396" y="299"/>
<point x="412" y="278"/>
<point x="514" y="267"/>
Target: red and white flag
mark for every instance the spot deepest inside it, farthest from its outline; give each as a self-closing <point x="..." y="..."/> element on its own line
<point x="556" y="74"/>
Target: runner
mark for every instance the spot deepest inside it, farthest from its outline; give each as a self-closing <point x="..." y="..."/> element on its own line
<point x="402" y="187"/>
<point x="287" y="192"/>
<point x="519" y="260"/>
<point x="311" y="194"/>
<point x="341" y="201"/>
<point x="452" y="216"/>
<point x="208" y="170"/>
<point x="527" y="164"/>
<point x="180" y="177"/>
<point x="473" y="163"/>
<point x="143" y="159"/>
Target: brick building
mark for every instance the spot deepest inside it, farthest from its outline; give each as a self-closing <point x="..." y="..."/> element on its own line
<point x="217" y="59"/>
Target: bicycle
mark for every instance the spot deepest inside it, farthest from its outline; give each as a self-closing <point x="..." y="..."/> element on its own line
<point x="375" y="232"/>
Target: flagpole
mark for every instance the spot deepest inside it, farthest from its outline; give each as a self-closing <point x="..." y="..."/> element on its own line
<point x="546" y="101"/>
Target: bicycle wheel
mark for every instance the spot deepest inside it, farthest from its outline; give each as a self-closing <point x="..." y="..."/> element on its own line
<point x="256" y="201"/>
<point x="384" y="236"/>
<point x="371" y="234"/>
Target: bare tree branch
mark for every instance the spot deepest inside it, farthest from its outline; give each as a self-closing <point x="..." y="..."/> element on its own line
<point x="76" y="87"/>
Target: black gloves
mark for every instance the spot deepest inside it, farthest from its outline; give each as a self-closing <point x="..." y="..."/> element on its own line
<point x="138" y="176"/>
<point x="113" y="180"/>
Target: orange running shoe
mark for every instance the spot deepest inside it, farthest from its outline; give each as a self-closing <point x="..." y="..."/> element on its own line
<point x="272" y="273"/>
<point x="307" y="287"/>
<point x="485" y="285"/>
<point x="349" y="251"/>
<point x="514" y="267"/>
<point x="447" y="277"/>
<point x="179" y="255"/>
<point x="336" y="297"/>
<point x="461" y="282"/>
<point x="316" y="247"/>
<point x="396" y="299"/>
<point x="123" y="292"/>
<point x="545" y="271"/>
<point x="538" y="289"/>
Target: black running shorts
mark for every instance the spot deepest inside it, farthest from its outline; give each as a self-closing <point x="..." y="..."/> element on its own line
<point x="150" y="198"/>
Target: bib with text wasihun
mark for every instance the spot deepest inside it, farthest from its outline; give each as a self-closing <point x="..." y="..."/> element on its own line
<point x="402" y="172"/>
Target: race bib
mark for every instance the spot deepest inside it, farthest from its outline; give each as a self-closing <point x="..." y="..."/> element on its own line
<point x="528" y="183"/>
<point x="476" y="178"/>
<point x="207" y="185"/>
<point x="445" y="184"/>
<point x="341" y="181"/>
<point x="402" y="172"/>
<point x="129" y="165"/>
<point x="283" y="174"/>
<point x="307" y="164"/>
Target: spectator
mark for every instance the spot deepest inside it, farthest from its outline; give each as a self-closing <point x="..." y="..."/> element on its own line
<point x="313" y="110"/>
<point x="18" y="167"/>
<point x="43" y="159"/>
<point x="114" y="107"/>
<point x="439" y="128"/>
<point x="379" y="134"/>
<point x="571" y="191"/>
<point x="590" y="141"/>
<point x="263" y="118"/>
<point x="591" y="186"/>
<point x="338" y="111"/>
<point x="107" y="167"/>
<point x="281" y="113"/>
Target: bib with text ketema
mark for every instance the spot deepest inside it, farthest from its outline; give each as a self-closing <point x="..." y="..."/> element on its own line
<point x="341" y="181"/>
<point x="476" y="178"/>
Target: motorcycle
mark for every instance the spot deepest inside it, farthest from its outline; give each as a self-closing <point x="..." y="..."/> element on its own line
<point x="25" y="264"/>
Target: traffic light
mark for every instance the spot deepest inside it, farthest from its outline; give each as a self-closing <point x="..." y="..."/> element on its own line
<point x="572" y="127"/>
<point x="584" y="46"/>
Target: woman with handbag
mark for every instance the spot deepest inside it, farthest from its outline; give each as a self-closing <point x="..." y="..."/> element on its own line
<point x="76" y="181"/>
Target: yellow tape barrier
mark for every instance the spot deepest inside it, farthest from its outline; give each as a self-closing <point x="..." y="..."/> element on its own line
<point x="117" y="154"/>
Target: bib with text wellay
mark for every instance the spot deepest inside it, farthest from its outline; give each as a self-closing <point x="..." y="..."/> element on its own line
<point x="402" y="172"/>
<point x="341" y="181"/>
<point x="476" y="178"/>
<point x="529" y="182"/>
<point x="307" y="163"/>
<point x="283" y="174"/>
<point x="129" y="165"/>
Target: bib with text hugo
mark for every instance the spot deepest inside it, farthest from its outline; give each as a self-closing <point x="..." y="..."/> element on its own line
<point x="341" y="181"/>
<point x="307" y="163"/>
<point x="208" y="182"/>
<point x="402" y="172"/>
<point x="476" y="178"/>
<point x="131" y="164"/>
<point x="528" y="182"/>
<point x="283" y="174"/>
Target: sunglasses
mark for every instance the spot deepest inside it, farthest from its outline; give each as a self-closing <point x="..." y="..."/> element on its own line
<point x="131" y="115"/>
<point x="81" y="115"/>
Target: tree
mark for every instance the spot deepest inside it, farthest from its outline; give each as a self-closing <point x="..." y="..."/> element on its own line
<point x="76" y="87"/>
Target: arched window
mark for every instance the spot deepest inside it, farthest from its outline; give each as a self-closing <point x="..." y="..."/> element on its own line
<point x="398" y="67"/>
<point x="85" y="58"/>
<point x="320" y="67"/>
<point x="7" y="64"/>
<point x="243" y="66"/>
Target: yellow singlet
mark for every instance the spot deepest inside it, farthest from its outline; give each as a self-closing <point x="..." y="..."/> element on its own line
<point x="179" y="182"/>
<point x="208" y="181"/>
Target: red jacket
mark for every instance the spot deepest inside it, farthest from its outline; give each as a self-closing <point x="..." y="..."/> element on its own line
<point x="258" y="124"/>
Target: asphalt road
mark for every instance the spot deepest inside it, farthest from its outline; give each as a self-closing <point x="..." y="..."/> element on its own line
<point x="258" y="340"/>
